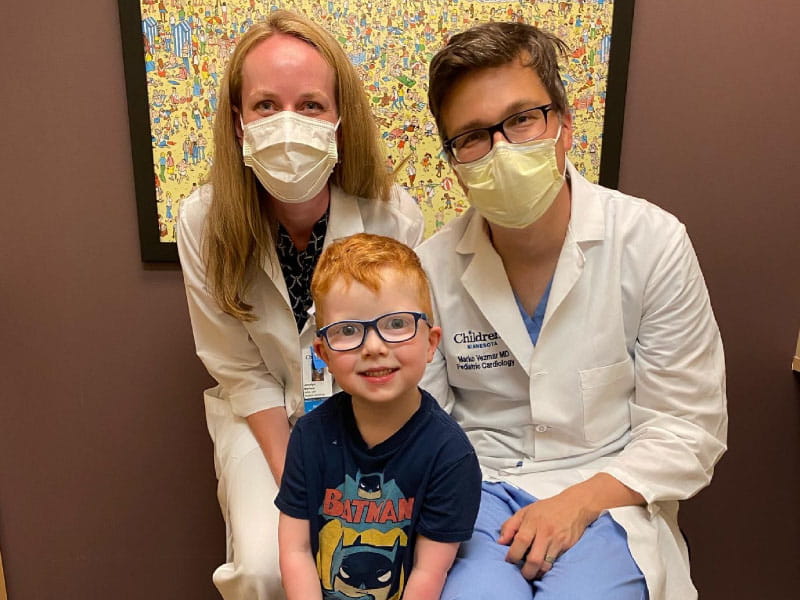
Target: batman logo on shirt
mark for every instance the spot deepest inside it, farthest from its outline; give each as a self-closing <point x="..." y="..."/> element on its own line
<point x="370" y="486"/>
<point x="365" y="572"/>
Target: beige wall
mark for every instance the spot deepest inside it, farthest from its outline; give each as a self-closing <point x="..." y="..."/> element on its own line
<point x="106" y="482"/>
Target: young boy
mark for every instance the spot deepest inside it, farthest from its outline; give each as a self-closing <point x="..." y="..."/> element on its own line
<point x="380" y="484"/>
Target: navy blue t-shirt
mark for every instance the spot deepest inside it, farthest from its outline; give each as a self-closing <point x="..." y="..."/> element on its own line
<point x="366" y="505"/>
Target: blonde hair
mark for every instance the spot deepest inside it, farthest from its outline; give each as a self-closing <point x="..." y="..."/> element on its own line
<point x="363" y="258"/>
<point x="240" y="227"/>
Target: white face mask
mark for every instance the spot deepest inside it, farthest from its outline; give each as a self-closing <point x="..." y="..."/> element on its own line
<point x="514" y="184"/>
<point x="291" y="155"/>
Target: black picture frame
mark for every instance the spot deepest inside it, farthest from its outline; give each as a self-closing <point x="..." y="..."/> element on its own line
<point x="154" y="250"/>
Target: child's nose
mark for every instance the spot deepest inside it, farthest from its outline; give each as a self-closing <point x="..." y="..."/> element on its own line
<point x="373" y="343"/>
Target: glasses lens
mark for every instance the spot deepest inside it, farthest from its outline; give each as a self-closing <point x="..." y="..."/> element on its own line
<point x="525" y="126"/>
<point x="397" y="327"/>
<point x="345" y="335"/>
<point x="471" y="145"/>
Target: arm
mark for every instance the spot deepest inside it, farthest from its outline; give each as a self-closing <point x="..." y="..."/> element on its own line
<point x="679" y="413"/>
<point x="271" y="429"/>
<point x="432" y="560"/>
<point x="225" y="347"/>
<point x="298" y="572"/>
<point x="446" y="519"/>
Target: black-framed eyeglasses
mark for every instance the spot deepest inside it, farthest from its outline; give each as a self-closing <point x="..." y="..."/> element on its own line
<point x="393" y="327"/>
<point x="520" y="127"/>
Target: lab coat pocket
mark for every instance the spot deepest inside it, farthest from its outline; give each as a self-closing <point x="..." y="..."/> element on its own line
<point x="606" y="392"/>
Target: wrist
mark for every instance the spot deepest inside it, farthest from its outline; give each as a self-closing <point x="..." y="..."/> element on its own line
<point x="602" y="492"/>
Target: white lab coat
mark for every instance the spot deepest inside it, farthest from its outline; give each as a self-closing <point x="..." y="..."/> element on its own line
<point x="627" y="376"/>
<point x="257" y="365"/>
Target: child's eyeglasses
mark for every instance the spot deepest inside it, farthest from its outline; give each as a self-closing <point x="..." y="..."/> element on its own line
<point x="392" y="328"/>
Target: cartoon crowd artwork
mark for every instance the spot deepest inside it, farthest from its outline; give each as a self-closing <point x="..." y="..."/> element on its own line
<point x="363" y="543"/>
<point x="187" y="43"/>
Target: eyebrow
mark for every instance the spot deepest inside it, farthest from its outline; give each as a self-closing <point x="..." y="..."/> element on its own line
<point x="266" y="93"/>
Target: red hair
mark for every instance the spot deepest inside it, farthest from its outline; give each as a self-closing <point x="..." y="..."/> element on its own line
<point x="363" y="258"/>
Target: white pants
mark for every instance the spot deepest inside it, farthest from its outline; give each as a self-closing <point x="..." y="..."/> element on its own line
<point x="246" y="494"/>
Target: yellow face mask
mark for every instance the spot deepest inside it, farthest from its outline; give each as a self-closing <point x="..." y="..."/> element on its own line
<point x="514" y="184"/>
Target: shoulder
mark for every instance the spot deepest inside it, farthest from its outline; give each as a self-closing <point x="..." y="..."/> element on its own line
<point x="644" y="235"/>
<point x="447" y="238"/>
<point x="193" y="209"/>
<point x="443" y="428"/>
<point x="639" y="240"/>
<point x="398" y="217"/>
<point x="448" y="252"/>
<point x="192" y="216"/>
<point x="325" y="416"/>
<point x="622" y="215"/>
<point x="629" y="215"/>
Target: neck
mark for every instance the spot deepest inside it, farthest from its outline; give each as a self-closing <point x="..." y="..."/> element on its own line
<point x="530" y="255"/>
<point x="377" y="422"/>
<point x="299" y="219"/>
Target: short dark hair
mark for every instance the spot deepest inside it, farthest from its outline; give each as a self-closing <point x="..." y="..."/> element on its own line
<point x="494" y="45"/>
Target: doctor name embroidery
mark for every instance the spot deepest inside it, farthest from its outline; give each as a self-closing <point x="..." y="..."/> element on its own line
<point x="475" y="340"/>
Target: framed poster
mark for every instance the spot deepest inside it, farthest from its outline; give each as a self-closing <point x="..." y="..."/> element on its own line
<point x="175" y="52"/>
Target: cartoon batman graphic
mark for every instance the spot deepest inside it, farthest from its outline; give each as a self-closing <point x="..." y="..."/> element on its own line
<point x="365" y="572"/>
<point x="370" y="486"/>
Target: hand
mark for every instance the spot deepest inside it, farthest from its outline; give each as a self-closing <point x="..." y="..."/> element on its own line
<point x="545" y="528"/>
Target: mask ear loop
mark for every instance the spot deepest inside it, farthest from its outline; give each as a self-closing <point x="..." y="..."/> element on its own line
<point x="565" y="174"/>
<point x="241" y="128"/>
<point x="336" y="140"/>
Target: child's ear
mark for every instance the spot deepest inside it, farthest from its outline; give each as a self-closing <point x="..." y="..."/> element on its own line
<point x="321" y="349"/>
<point x="434" y="336"/>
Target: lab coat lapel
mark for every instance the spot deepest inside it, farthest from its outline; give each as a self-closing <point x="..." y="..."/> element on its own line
<point x="586" y="226"/>
<point x="486" y="282"/>
<point x="568" y="271"/>
<point x="272" y="267"/>
<point x="344" y="218"/>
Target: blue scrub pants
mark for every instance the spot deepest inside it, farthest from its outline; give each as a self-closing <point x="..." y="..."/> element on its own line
<point x="598" y="567"/>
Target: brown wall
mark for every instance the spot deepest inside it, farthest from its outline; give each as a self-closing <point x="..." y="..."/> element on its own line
<point x="106" y="482"/>
<point x="711" y="134"/>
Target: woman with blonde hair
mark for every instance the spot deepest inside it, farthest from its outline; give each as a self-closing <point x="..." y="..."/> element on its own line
<point x="297" y="164"/>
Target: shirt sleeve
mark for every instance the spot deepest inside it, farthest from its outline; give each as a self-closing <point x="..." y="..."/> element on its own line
<point x="292" y="497"/>
<point x="222" y="341"/>
<point x="451" y="501"/>
<point x="679" y="413"/>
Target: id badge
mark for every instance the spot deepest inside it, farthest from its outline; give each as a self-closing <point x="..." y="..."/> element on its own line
<point x="317" y="380"/>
